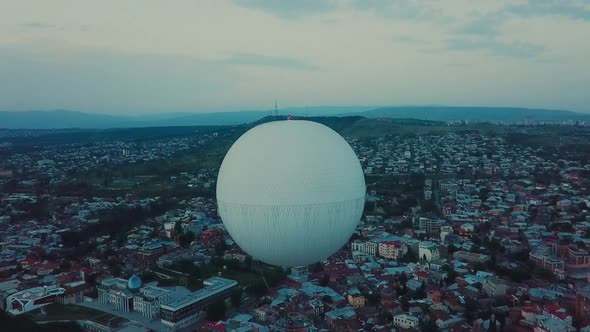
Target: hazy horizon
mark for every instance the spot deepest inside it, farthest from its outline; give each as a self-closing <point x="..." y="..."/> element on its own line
<point x="144" y="57"/>
<point x="127" y="113"/>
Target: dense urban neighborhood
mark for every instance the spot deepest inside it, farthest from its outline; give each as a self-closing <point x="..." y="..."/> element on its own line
<point x="466" y="227"/>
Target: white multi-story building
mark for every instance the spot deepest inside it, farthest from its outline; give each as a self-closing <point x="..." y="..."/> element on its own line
<point x="494" y="287"/>
<point x="542" y="257"/>
<point x="365" y="247"/>
<point x="114" y="291"/>
<point x="405" y="321"/>
<point x="148" y="300"/>
<point x="392" y="249"/>
<point x="468" y="228"/>
<point x="430" y="226"/>
<point x="299" y="273"/>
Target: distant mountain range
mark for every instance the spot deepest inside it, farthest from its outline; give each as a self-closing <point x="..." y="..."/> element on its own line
<point x="57" y="119"/>
<point x="448" y="113"/>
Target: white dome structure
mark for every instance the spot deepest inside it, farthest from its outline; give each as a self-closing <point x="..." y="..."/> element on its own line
<point x="290" y="193"/>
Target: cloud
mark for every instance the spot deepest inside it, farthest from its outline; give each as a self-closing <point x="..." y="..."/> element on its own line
<point x="458" y="65"/>
<point x="38" y="25"/>
<point x="296" y="9"/>
<point x="495" y="47"/>
<point x="405" y="39"/>
<point x="251" y="59"/>
<point x="47" y="26"/>
<point x="289" y="9"/>
<point x="566" y="8"/>
<point x="487" y="25"/>
<point x="99" y="80"/>
<point x="402" y="10"/>
<point x="484" y="31"/>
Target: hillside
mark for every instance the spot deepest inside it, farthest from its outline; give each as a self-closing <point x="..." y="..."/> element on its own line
<point x="445" y="113"/>
<point x="363" y="127"/>
<point x="63" y="119"/>
<point x="58" y="119"/>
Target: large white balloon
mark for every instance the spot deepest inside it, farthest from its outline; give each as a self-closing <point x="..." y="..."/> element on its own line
<point x="290" y="192"/>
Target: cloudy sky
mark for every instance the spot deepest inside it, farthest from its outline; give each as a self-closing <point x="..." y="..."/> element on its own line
<point x="117" y="56"/>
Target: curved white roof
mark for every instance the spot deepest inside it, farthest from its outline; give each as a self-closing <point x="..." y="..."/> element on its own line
<point x="290" y="163"/>
<point x="290" y="192"/>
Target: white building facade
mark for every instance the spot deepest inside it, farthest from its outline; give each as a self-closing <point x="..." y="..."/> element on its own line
<point x="148" y="301"/>
<point x="405" y="321"/>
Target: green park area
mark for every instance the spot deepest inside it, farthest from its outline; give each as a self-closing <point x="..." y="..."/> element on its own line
<point x="70" y="312"/>
<point x="250" y="276"/>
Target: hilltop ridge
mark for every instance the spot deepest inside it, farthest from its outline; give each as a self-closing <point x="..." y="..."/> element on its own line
<point x="62" y="119"/>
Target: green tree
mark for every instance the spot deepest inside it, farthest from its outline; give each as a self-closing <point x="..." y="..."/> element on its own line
<point x="178" y="227"/>
<point x="403" y="279"/>
<point x="116" y="270"/>
<point x="493" y="327"/>
<point x="373" y="298"/>
<point x="421" y="292"/>
<point x="220" y="248"/>
<point x="10" y="186"/>
<point x="317" y="267"/>
<point x="429" y="206"/>
<point x="236" y="297"/>
<point x="248" y="262"/>
<point x="187" y="266"/>
<point x="476" y="239"/>
<point x="405" y="302"/>
<point x="484" y="193"/>
<point x="148" y="276"/>
<point x="409" y="257"/>
<point x="65" y="266"/>
<point x="428" y="325"/>
<point x="121" y="238"/>
<point x="41" y="209"/>
<point x="258" y="287"/>
<point x="23" y="323"/>
<point x="451" y="275"/>
<point x="547" y="275"/>
<point x="216" y="311"/>
<point x="186" y="238"/>
<point x="479" y="267"/>
<point x="471" y="310"/>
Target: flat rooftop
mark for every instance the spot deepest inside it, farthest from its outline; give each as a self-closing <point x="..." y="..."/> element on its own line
<point x="153" y="292"/>
<point x="108" y="282"/>
<point x="212" y="285"/>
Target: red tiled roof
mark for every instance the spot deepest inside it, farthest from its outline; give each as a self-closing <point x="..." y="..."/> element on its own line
<point x="551" y="307"/>
<point x="214" y="326"/>
<point x="50" y="265"/>
<point x="531" y="310"/>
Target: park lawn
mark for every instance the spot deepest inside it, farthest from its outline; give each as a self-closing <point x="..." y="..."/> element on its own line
<point x="57" y="311"/>
<point x="244" y="278"/>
